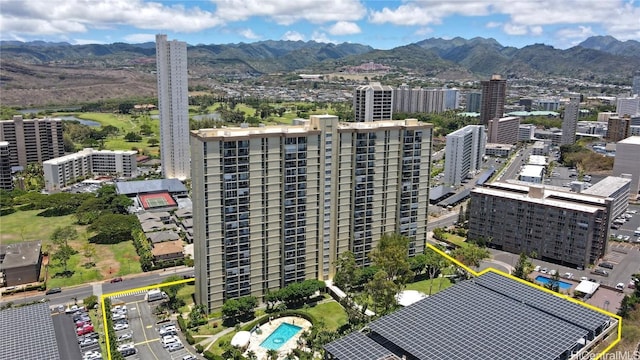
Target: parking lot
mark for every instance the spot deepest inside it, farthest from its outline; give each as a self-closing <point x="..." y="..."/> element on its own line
<point x="143" y="331"/>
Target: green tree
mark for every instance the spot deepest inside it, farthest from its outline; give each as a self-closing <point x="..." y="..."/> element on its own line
<point x="242" y="308"/>
<point x="523" y="267"/>
<point x="471" y="255"/>
<point x="382" y="291"/>
<point x="554" y="282"/>
<point x="346" y="269"/>
<point x="132" y="137"/>
<point x="90" y="301"/>
<point x="153" y="142"/>
<point x="113" y="228"/>
<point x="63" y="251"/>
<point x="145" y="129"/>
<point x="272" y="354"/>
<point x="391" y="256"/>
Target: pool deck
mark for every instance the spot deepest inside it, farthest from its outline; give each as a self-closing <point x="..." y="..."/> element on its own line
<point x="268" y="328"/>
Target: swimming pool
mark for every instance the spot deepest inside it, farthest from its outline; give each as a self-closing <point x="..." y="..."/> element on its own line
<point x="561" y="284"/>
<point x="279" y="336"/>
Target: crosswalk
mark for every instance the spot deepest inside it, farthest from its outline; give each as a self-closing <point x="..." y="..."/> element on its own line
<point x="128" y="293"/>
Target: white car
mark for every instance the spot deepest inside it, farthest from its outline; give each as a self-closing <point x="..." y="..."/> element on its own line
<point x="126" y="346"/>
<point x="620" y="286"/>
<point x="568" y="275"/>
<point x="175" y="346"/>
<point x="544" y="270"/>
<point x="118" y="327"/>
<point x="124" y="337"/>
<point x="553" y="272"/>
<point x="584" y="278"/>
<point x="537" y="268"/>
<point x="92" y="355"/>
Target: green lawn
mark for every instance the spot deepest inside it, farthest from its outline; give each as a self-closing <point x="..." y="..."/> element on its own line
<point x="330" y="312"/>
<point x="125" y="254"/>
<point x="424" y="285"/>
<point x="455" y="240"/>
<point x="80" y="273"/>
<point x="27" y="225"/>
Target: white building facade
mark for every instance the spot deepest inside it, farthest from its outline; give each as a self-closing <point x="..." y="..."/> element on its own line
<point x="627" y="163"/>
<point x="464" y="151"/>
<point x="173" y="103"/>
<point x="373" y="102"/>
<point x="66" y="170"/>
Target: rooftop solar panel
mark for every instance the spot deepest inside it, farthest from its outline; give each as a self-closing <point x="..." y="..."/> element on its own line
<point x="27" y="333"/>
<point x="359" y="347"/>
<point x="490" y="317"/>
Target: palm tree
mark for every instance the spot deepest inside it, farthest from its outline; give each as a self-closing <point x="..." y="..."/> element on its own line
<point x="251" y="355"/>
<point x="272" y="354"/>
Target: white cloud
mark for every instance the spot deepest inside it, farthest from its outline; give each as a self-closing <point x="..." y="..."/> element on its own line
<point x="140" y="38"/>
<point x="287" y="12"/>
<point x="423" y="31"/>
<point x="249" y="34"/>
<point x="41" y="17"/>
<point x="321" y="37"/>
<point x="344" y="28"/>
<point x="573" y="36"/>
<point x="293" y="36"/>
<point x="524" y="17"/>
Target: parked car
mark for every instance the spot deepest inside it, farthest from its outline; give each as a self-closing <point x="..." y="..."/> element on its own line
<point x="53" y="291"/>
<point x="620" y="286"/>
<point x="118" y="327"/>
<point x="116" y="280"/>
<point x="606" y="265"/>
<point x="544" y="270"/>
<point x="568" y="275"/>
<point x="124" y="337"/>
<point x="92" y="355"/>
<point x="175" y="346"/>
<point x="537" y="268"/>
<point x="189" y="357"/>
<point x="128" y="352"/>
<point x="88" y="342"/>
<point x="600" y="272"/>
<point x="84" y="330"/>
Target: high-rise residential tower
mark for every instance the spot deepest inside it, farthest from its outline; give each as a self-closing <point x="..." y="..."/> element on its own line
<point x="629" y="106"/>
<point x="373" y="102"/>
<point x="635" y="86"/>
<point x="173" y="103"/>
<point x="503" y="130"/>
<point x="276" y="205"/>
<point x="464" y="151"/>
<point x="570" y="120"/>
<point x="494" y="93"/>
<point x="474" y="101"/>
<point x="32" y="140"/>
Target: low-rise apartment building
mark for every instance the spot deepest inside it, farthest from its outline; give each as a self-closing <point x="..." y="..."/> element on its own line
<point x="554" y="224"/>
<point x="63" y="171"/>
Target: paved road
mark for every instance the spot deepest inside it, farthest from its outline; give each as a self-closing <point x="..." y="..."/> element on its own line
<point x="82" y="291"/>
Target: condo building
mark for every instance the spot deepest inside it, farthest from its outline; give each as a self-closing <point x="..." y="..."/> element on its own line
<point x="424" y="100"/>
<point x="66" y="170"/>
<point x="627" y="163"/>
<point x="32" y="140"/>
<point x="474" y="100"/>
<point x="494" y="94"/>
<point x="613" y="187"/>
<point x="173" y="103"/>
<point x="464" y="151"/>
<point x="628" y="106"/>
<point x="618" y="128"/>
<point x="275" y="205"/>
<point x="373" y="102"/>
<point x="504" y="130"/>
<point x="6" y="182"/>
<point x="559" y="226"/>
<point x="570" y="120"/>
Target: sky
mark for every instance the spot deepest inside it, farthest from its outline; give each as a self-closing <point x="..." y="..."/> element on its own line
<point x="382" y="24"/>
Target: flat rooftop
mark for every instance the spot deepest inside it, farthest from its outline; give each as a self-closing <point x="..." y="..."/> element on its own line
<point x="150" y="186"/>
<point x="462" y="323"/>
<point x="635" y="140"/>
<point x="607" y="186"/>
<point x="20" y="254"/>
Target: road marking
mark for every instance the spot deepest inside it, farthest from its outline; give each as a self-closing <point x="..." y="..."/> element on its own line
<point x="146" y="342"/>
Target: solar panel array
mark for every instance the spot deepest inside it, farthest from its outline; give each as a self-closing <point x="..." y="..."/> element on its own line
<point x="27" y="333"/>
<point x="358" y="346"/>
<point x="477" y="320"/>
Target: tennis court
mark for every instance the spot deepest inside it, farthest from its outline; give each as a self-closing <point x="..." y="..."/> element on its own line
<point x="158" y="200"/>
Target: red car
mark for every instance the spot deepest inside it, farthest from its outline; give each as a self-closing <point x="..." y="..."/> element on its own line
<point x="84" y="330"/>
<point x="115" y="280"/>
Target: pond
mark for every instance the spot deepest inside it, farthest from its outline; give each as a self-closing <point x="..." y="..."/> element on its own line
<point x="81" y="121"/>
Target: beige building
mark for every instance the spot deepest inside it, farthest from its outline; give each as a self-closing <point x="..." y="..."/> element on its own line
<point x="627" y="163"/>
<point x="276" y="205"/>
<point x="6" y="182"/>
<point x="616" y="188"/>
<point x="65" y="170"/>
<point x="32" y="141"/>
<point x="373" y="102"/>
<point x="618" y="128"/>
<point x="503" y="130"/>
<point x="559" y="226"/>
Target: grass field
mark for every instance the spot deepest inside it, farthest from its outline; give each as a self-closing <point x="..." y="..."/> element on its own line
<point x="27" y="226"/>
<point x="423" y="286"/>
<point x="331" y="313"/>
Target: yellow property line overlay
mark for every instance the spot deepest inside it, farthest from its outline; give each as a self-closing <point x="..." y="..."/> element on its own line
<point x="537" y="287"/>
<point x="133" y="291"/>
<point x="430" y="246"/>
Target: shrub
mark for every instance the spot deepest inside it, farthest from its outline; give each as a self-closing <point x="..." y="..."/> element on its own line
<point x="189" y="337"/>
<point x="199" y="348"/>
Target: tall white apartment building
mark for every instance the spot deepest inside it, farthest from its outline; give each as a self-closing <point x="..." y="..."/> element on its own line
<point x="627" y="163"/>
<point x="173" y="103"/>
<point x="66" y="170"/>
<point x="373" y="102"/>
<point x="628" y="106"/>
<point x="277" y="204"/>
<point x="570" y="120"/>
<point x="464" y="151"/>
<point x="425" y="100"/>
